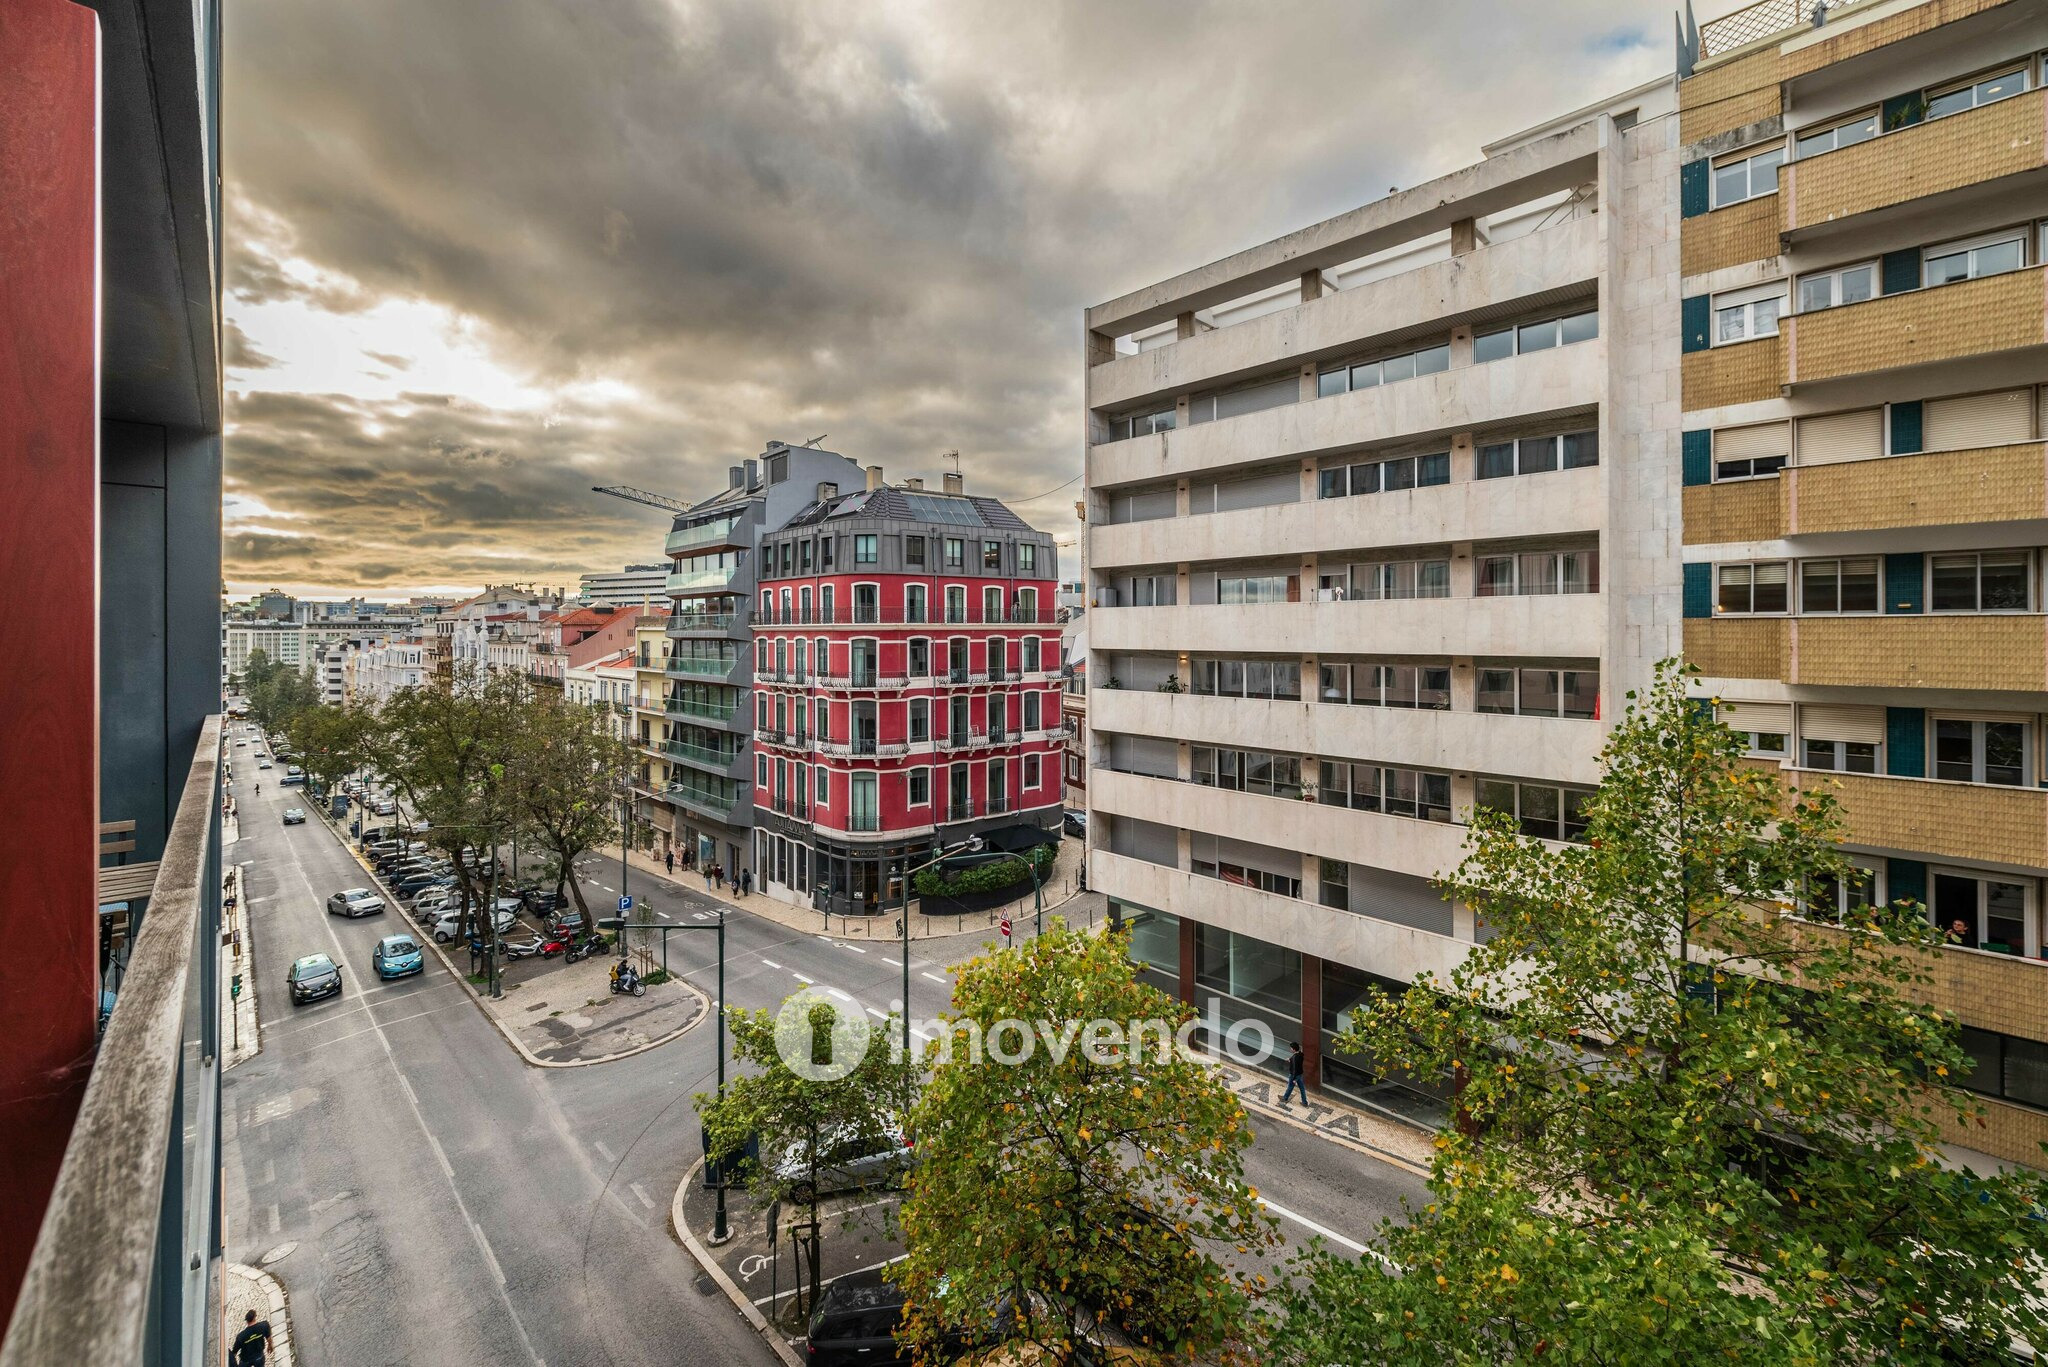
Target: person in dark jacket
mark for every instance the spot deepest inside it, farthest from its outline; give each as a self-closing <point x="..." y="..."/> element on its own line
<point x="253" y="1344"/>
<point x="1297" y="1066"/>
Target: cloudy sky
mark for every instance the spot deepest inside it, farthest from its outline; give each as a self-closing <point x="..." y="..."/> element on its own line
<point x="485" y="254"/>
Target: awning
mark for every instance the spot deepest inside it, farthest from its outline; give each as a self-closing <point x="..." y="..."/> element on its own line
<point x="1017" y="839"/>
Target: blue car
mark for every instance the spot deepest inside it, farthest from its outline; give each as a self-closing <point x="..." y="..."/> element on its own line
<point x="396" y="956"/>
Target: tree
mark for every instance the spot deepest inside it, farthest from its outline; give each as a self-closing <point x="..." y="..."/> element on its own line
<point x="566" y="768"/>
<point x="1696" y="1126"/>
<point x="1090" y="1181"/>
<point x="276" y="693"/>
<point x="787" y="1108"/>
<point x="331" y="742"/>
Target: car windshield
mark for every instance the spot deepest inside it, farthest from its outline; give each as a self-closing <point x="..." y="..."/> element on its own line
<point x="401" y="947"/>
<point x="312" y="967"/>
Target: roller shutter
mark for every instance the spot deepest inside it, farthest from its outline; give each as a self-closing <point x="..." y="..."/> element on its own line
<point x="1775" y="717"/>
<point x="1749" y="443"/>
<point x="1820" y="721"/>
<point x="1975" y="420"/>
<point x="1841" y="436"/>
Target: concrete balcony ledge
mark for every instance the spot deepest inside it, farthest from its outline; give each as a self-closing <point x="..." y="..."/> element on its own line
<point x="1558" y="381"/>
<point x="1971" y="319"/>
<point x="1462" y="742"/>
<point x="1426" y="849"/>
<point x="1978" y="652"/>
<point x="1440" y="293"/>
<point x="1910" y="165"/>
<point x="1558" y="501"/>
<point x="1573" y="625"/>
<point x="1394" y="951"/>
<point x="1983" y="485"/>
<point x="1977" y="823"/>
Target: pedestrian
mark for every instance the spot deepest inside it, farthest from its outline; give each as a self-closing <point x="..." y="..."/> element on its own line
<point x="252" y="1344"/>
<point x="718" y="876"/>
<point x="746" y="882"/>
<point x="669" y="856"/>
<point x="707" y="877"/>
<point x="1297" y="1067"/>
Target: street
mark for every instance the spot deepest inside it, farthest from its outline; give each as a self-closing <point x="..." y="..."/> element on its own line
<point x="440" y="1200"/>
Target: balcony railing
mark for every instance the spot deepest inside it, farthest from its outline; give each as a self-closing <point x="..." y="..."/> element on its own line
<point x="724" y="532"/>
<point x="1764" y="20"/>
<point x="972" y="615"/>
<point x="710" y="801"/>
<point x="701" y="754"/>
<point x="685" y="707"/>
<point x="961" y="810"/>
<point x="106" y="1280"/>
<point x="864" y="747"/>
<point x="682" y="623"/>
<point x="701" y="668"/>
<point x="864" y="679"/>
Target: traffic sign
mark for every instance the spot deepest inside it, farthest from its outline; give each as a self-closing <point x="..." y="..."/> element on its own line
<point x="1006" y="927"/>
<point x="625" y="904"/>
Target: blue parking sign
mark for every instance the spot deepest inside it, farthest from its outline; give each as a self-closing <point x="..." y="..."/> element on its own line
<point x="625" y="904"/>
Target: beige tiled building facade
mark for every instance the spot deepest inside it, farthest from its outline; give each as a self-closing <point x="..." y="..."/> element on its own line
<point x="1865" y="461"/>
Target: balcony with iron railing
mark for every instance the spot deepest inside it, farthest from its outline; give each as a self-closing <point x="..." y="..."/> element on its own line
<point x="1768" y="19"/>
<point x="864" y="747"/>
<point x="712" y="801"/>
<point x="969" y="615"/>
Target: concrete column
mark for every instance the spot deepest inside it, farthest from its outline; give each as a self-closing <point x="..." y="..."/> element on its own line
<point x="1463" y="576"/>
<point x="1311" y="285"/>
<point x="1308" y="381"/>
<point x="1464" y="924"/>
<point x="1184" y="761"/>
<point x="1184" y="849"/>
<point x="1311" y="678"/>
<point x="1180" y="411"/>
<point x="1184" y="327"/>
<point x="1311" y="478"/>
<point x="1464" y="236"/>
<point x="1464" y="684"/>
<point x="1464" y="461"/>
<point x="1463" y="790"/>
<point x="1311" y="873"/>
<point x="1180" y="498"/>
<point x="1461" y="347"/>
<point x="1180" y="583"/>
<point x="1187" y="960"/>
<point x="1101" y="347"/>
<point x="1312" y="1020"/>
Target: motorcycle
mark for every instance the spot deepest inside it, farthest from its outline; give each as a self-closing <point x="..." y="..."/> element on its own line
<point x="552" y="945"/>
<point x="524" y="949"/>
<point x="625" y="980"/>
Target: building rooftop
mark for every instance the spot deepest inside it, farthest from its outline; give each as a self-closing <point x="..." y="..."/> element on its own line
<point x="914" y="505"/>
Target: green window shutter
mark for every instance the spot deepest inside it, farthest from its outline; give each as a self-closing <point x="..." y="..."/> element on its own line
<point x="1901" y="271"/>
<point x="1906" y="880"/>
<point x="1903" y="111"/>
<point x="1692" y="189"/>
<point x="1696" y="322"/>
<point x="1906" y="438"/>
<point x="1699" y="590"/>
<point x="1905" y="741"/>
<point x="1698" y="458"/>
<point x="1903" y="575"/>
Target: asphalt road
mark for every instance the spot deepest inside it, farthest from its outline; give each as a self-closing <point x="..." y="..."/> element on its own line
<point x="445" y="1202"/>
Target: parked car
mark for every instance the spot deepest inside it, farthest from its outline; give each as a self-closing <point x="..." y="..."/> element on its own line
<point x="414" y="884"/>
<point x="847" y="1161"/>
<point x="385" y="807"/>
<point x="294" y="817"/>
<point x="353" y="902"/>
<point x="567" y="925"/>
<point x="293" y="774"/>
<point x="263" y="764"/>
<point x="312" y="978"/>
<point x="396" y="956"/>
<point x="856" y="1319"/>
<point x="428" y="906"/>
<point x="450" y="920"/>
<point x="540" y="901"/>
<point x="1075" y="823"/>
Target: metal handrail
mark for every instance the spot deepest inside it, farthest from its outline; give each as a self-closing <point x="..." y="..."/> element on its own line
<point x="87" y="1294"/>
<point x="1762" y="20"/>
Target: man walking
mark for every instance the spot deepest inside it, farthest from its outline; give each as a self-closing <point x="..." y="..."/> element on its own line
<point x="669" y="857"/>
<point x="253" y="1344"/>
<point x="746" y="881"/>
<point x="1297" y="1064"/>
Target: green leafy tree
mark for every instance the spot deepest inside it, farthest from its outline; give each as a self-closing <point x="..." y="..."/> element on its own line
<point x="566" y="769"/>
<point x="1696" y="1127"/>
<point x="331" y="742"/>
<point x="791" y="1112"/>
<point x="1083" y="1184"/>
<point x="277" y="693"/>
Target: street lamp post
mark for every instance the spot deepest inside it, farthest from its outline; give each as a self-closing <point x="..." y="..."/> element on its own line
<point x="970" y="844"/>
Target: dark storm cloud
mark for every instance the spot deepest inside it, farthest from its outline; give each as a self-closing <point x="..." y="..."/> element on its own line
<point x="775" y="219"/>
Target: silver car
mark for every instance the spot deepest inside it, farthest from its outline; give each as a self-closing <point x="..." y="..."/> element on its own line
<point x="847" y="1161"/>
<point x="353" y="902"/>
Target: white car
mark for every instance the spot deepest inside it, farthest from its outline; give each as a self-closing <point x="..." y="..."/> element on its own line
<point x="385" y="807"/>
<point x="354" y="902"/>
<point x="451" y="920"/>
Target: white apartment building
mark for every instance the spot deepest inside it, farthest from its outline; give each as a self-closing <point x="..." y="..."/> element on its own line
<point x="299" y="643"/>
<point x="374" y="673"/>
<point x="631" y="587"/>
<point x="1383" y="521"/>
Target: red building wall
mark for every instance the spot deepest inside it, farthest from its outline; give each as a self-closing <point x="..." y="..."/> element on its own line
<point x="49" y="554"/>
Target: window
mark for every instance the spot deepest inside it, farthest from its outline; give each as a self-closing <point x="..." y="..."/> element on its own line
<point x="920" y="787"/>
<point x="1033" y="712"/>
<point x="1975" y="92"/>
<point x="1980" y="911"/>
<point x="1838" y="585"/>
<point x="1397" y="473"/>
<point x="918" y="654"/>
<point x="992" y="555"/>
<point x="913" y="552"/>
<point x="1140" y="424"/>
<point x="1251" y="588"/>
<point x="1981" y="751"/>
<point x="1424" y="687"/>
<point x="1572" y="693"/>
<point x="956" y="553"/>
<point x="824" y="782"/>
<point x="1249" y="398"/>
<point x="1031" y="771"/>
<point x="1372" y="374"/>
<point x="1539" y="572"/>
<point x="803" y="556"/>
<point x="1247" y="678"/>
<point x="920" y="720"/>
<point x="788" y="557"/>
<point x="1028" y="660"/>
<point x="1552" y="332"/>
<point x="1848" y="133"/>
<point x="1545" y="810"/>
<point x="1534" y="455"/>
<point x="1974" y="258"/>
<point x="1402" y="579"/>
<point x="1979" y="581"/>
<point x="864" y="812"/>
<point x="1831" y="899"/>
<point x="956" y="602"/>
<point x="864" y="548"/>
<point x="1842" y="756"/>
<point x="1247" y="771"/>
<point x="1843" y="285"/>
<point x="826" y="594"/>
<point x="1745" y="175"/>
<point x="1744" y="315"/>
<point x="1757" y="587"/>
<point x="1752" y="452"/>
<point x="1027" y="558"/>
<point x="2007" y="1066"/>
<point x="1394" y="792"/>
<point x="991" y="605"/>
<point x="914" y="604"/>
<point x="825" y="545"/>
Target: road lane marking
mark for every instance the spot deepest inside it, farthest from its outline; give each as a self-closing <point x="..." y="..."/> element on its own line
<point x="604" y="1152"/>
<point x="376" y="1025"/>
<point x="641" y="1192"/>
<point x="876" y="1267"/>
<point x="808" y="982"/>
<point x="892" y="960"/>
<point x="855" y="948"/>
<point x="878" y="1015"/>
<point x="771" y="963"/>
<point x="933" y="976"/>
<point x="1332" y="1235"/>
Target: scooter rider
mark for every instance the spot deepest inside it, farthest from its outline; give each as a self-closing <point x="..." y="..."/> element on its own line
<point x="624" y="976"/>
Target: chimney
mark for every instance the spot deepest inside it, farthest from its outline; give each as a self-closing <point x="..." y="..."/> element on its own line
<point x="827" y="491"/>
<point x="955" y="483"/>
<point x="733" y="475"/>
<point x="752" y="469"/>
<point x="874" y="477"/>
<point x="914" y="482"/>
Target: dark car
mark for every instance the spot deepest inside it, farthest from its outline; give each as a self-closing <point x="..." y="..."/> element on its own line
<point x="567" y="924"/>
<point x="1075" y="823"/>
<point x="856" y="1320"/>
<point x="293" y="816"/>
<point x="414" y="883"/>
<point x="312" y="978"/>
<point x="541" y="901"/>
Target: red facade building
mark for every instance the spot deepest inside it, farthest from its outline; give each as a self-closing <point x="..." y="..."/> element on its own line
<point x="907" y="691"/>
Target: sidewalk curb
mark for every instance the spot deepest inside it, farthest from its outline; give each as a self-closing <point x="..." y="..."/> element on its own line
<point x="748" y="1310"/>
<point x="477" y="999"/>
<point x="279" y="1315"/>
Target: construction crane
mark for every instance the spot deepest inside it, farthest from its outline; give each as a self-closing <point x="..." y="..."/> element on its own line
<point x="632" y="495"/>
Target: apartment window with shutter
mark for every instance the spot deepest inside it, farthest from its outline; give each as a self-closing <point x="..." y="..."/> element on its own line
<point x="1969" y="421"/>
<point x="1838" y="586"/>
<point x="1744" y="175"/>
<point x="1974" y="258"/>
<point x="1752" y="587"/>
<point x="1842" y="738"/>
<point x="1835" y="437"/>
<point x="1834" y="288"/>
<point x="1763" y="728"/>
<point x="1980" y="581"/>
<point x="1752" y="452"/>
<point x="1744" y="315"/>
